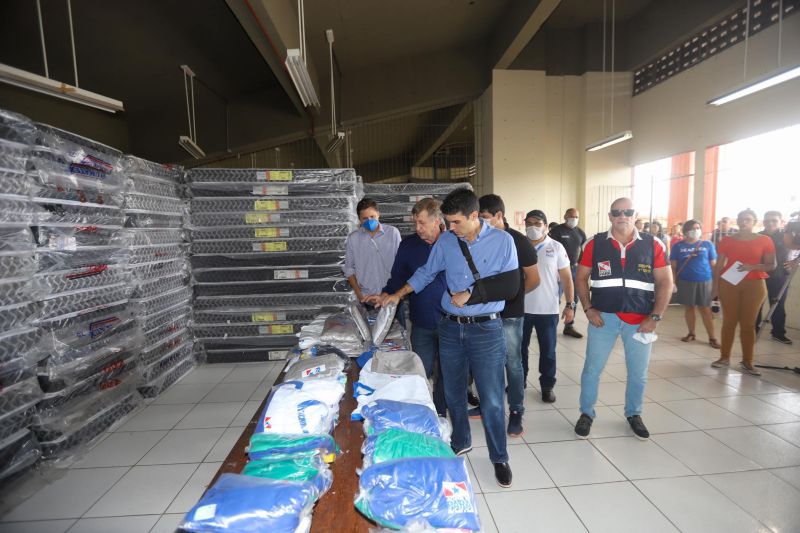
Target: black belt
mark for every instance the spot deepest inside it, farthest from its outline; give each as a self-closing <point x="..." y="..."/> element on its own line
<point x="471" y="319"/>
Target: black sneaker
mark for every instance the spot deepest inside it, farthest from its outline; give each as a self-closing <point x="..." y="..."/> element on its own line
<point x="783" y="339"/>
<point x="569" y="331"/>
<point x="548" y="396"/>
<point x="638" y="427"/>
<point x="584" y="426"/>
<point x="463" y="451"/>
<point x="515" y="424"/>
<point x="474" y="413"/>
<point x="502" y="473"/>
<point x="472" y="399"/>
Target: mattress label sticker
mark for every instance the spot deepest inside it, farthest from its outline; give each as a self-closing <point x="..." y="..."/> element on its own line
<point x="268" y="317"/>
<point x="205" y="512"/>
<point x="271" y="232"/>
<point x="276" y="355"/>
<point x="278" y="246"/>
<point x="267" y="205"/>
<point x="290" y="274"/>
<point x="279" y="175"/>
<point x="261" y="218"/>
<point x="270" y="190"/>
<point x="408" y="218"/>
<point x="63" y="243"/>
<point x="416" y="198"/>
<point x="457" y="497"/>
<point x="276" y="329"/>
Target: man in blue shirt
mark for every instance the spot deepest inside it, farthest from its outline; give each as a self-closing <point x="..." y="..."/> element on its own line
<point x="425" y="307"/>
<point x="369" y="251"/>
<point x="480" y="268"/>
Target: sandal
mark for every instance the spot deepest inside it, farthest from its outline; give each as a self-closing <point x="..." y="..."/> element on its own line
<point x="714" y="344"/>
<point x="721" y="363"/>
<point x="688" y="338"/>
<point x="750" y="369"/>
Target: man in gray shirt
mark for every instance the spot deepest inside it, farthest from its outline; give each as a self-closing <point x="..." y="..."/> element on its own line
<point x="370" y="251"/>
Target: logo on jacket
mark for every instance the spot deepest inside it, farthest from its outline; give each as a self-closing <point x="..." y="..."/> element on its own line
<point x="604" y="269"/>
<point x="457" y="497"/>
<point x="644" y="268"/>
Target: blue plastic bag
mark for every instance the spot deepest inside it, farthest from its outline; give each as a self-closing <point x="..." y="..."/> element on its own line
<point x="251" y="504"/>
<point x="438" y="490"/>
<point x="381" y="415"/>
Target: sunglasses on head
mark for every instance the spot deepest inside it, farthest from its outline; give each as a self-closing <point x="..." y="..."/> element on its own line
<point x="622" y="212"/>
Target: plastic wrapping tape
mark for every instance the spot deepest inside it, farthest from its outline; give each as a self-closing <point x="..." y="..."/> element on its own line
<point x="435" y="489"/>
<point x="246" y="503"/>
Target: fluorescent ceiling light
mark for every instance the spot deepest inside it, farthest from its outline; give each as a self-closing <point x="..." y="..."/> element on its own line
<point x="302" y="81"/>
<point x="335" y="142"/>
<point x="758" y="85"/>
<point x="610" y="140"/>
<point x="190" y="146"/>
<point x="40" y="84"/>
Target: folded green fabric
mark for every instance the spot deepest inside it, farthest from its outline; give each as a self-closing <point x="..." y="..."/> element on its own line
<point x="399" y="444"/>
<point x="302" y="469"/>
<point x="269" y="445"/>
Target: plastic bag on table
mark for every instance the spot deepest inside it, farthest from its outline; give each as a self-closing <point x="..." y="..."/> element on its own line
<point x="383" y="323"/>
<point x="276" y="446"/>
<point x="415" y="526"/>
<point x="245" y="503"/>
<point x="435" y="489"/>
<point x="359" y="314"/>
<point x="396" y="362"/>
<point x="413" y="389"/>
<point x="297" y="407"/>
<point x="395" y="444"/>
<point x="340" y="327"/>
<point x="319" y="367"/>
<point x="310" y="468"/>
<point x="382" y="415"/>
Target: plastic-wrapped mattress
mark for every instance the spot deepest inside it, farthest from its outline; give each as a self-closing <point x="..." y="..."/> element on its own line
<point x="281" y="176"/>
<point x="18" y="452"/>
<point x="258" y="259"/>
<point x="253" y="217"/>
<point x="203" y="303"/>
<point x="298" y="286"/>
<point x="256" y="315"/>
<point x="304" y="188"/>
<point x="268" y="246"/>
<point x="318" y="231"/>
<point x="266" y="273"/>
<point x="268" y="204"/>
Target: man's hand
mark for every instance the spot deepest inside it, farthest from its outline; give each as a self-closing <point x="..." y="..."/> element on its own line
<point x="460" y="298"/>
<point x="748" y="267"/>
<point x="595" y="318"/>
<point x="385" y="300"/>
<point x="374" y="298"/>
<point x="568" y="315"/>
<point x="791" y="265"/>
<point x="647" y="326"/>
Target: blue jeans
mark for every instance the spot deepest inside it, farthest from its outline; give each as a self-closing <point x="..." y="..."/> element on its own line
<point x="480" y="348"/>
<point x="425" y="342"/>
<point x="546" y="331"/>
<point x="512" y="329"/>
<point x="598" y="348"/>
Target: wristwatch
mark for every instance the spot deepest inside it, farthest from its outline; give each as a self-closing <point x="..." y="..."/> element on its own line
<point x="655" y="318"/>
<point x="572" y="305"/>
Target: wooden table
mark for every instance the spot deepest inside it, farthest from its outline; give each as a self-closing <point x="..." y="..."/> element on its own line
<point x="335" y="510"/>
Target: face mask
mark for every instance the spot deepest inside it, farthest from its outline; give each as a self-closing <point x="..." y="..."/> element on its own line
<point x="572" y="222"/>
<point x="695" y="234"/>
<point x="370" y="224"/>
<point x="534" y="233"/>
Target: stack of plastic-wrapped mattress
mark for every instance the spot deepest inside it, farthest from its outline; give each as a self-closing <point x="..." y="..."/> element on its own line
<point x="91" y="335"/>
<point x="155" y="214"/>
<point x="19" y="337"/>
<point x="395" y="200"/>
<point x="266" y="253"/>
<point x="289" y="453"/>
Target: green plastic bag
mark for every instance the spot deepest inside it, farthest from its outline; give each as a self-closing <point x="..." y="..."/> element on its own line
<point x="269" y="445"/>
<point x="302" y="469"/>
<point x="398" y="444"/>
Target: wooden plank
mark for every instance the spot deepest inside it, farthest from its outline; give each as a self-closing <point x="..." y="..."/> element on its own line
<point x="335" y="510"/>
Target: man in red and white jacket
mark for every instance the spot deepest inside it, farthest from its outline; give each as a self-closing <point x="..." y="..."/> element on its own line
<point x="631" y="288"/>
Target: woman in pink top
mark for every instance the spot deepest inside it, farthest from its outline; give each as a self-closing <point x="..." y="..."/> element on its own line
<point x="741" y="302"/>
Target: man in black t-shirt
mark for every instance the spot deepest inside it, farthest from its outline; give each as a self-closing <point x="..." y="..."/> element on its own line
<point x="773" y="228"/>
<point x="572" y="238"/>
<point x="492" y="209"/>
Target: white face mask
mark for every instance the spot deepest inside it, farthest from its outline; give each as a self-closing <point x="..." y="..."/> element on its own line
<point x="534" y="233"/>
<point x="695" y="234"/>
<point x="572" y="222"/>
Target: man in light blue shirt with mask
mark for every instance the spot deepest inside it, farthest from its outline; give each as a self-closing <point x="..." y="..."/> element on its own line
<point x="480" y="266"/>
<point x="370" y="251"/>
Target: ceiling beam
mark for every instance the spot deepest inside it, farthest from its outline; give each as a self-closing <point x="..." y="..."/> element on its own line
<point x="456" y="122"/>
<point x="537" y="18"/>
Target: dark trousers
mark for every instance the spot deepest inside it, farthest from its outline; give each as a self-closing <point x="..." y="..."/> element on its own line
<point x="546" y="330"/>
<point x="778" y="319"/>
<point x="425" y="343"/>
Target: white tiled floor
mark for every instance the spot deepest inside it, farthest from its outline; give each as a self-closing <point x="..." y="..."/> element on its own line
<point x="723" y="455"/>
